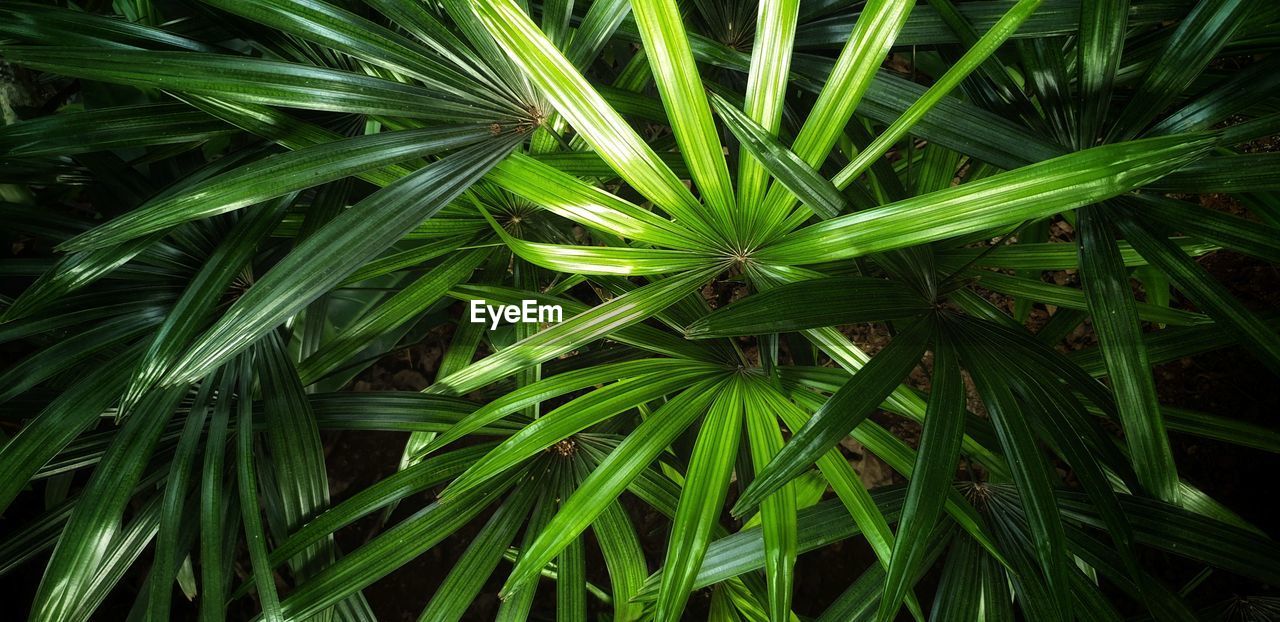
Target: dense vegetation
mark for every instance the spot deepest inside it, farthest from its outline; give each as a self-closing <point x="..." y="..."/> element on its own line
<point x="222" y="212"/>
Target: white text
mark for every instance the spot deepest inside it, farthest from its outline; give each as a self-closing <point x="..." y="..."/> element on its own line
<point x="528" y="312"/>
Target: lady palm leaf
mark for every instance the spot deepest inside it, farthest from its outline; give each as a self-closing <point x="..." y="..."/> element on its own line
<point x="232" y="210"/>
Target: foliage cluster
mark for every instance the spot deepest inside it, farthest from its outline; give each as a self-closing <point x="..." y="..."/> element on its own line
<point x="229" y="209"/>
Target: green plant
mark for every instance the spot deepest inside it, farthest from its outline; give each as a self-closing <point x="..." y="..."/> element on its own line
<point x="281" y="192"/>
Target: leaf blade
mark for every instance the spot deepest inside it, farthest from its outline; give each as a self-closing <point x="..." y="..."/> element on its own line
<point x="842" y="412"/>
<point x="1043" y="188"/>
<point x="346" y="242"/>
<point x="249" y="80"/>
<point x="671" y="60"/>
<point x="584" y="108"/>
<point x="936" y="461"/>
<point x="1115" y="319"/>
